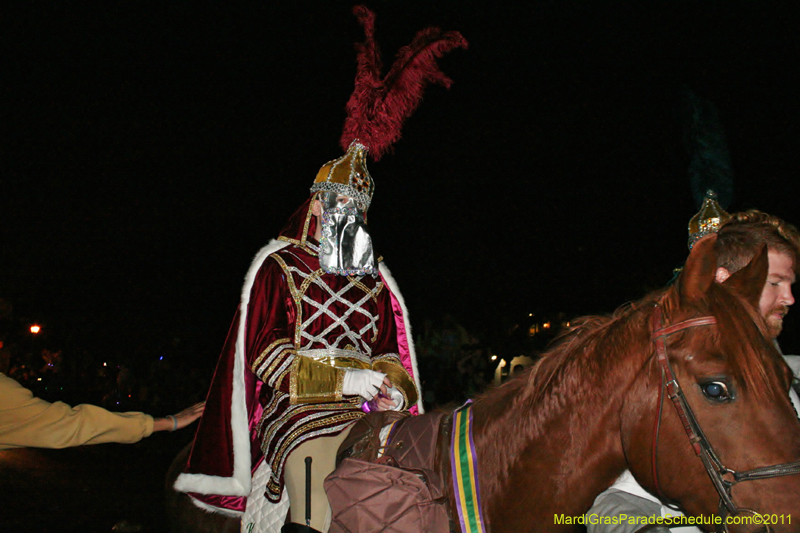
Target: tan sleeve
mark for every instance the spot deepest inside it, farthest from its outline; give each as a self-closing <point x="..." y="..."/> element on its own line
<point x="26" y="420"/>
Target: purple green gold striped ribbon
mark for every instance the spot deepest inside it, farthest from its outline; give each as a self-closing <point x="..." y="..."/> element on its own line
<point x="464" y="466"/>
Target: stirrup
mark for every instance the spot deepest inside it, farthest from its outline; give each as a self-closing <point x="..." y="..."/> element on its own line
<point x="297" y="528"/>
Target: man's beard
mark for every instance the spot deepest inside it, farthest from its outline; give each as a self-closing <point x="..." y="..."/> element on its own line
<point x="775" y="320"/>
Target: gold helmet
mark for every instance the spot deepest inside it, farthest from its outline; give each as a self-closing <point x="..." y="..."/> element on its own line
<point x="348" y="176"/>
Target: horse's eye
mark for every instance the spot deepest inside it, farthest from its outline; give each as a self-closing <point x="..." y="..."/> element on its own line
<point x="716" y="390"/>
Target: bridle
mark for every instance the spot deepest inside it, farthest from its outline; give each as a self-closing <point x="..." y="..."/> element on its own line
<point x="721" y="476"/>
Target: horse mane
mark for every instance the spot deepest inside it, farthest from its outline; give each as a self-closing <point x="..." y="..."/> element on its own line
<point x="740" y="329"/>
<point x="571" y="358"/>
<point x="571" y="372"/>
<point x="589" y="357"/>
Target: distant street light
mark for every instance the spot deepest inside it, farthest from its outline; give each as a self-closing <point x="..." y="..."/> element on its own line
<point x="35" y="329"/>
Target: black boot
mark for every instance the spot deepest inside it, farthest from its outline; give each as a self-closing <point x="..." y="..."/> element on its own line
<point x="297" y="528"/>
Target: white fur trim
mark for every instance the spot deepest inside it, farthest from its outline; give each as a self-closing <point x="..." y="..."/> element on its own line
<point x="239" y="483"/>
<point x="392" y="284"/>
<point x="205" y="484"/>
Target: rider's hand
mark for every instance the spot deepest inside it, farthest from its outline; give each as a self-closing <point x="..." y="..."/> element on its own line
<point x="397" y="396"/>
<point x="365" y="383"/>
<point x="393" y="400"/>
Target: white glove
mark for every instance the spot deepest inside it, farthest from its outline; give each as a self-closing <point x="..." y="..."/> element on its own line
<point x="396" y="396"/>
<point x="364" y="383"/>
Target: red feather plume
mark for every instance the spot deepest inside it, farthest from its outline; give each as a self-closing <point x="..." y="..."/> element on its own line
<point x="377" y="108"/>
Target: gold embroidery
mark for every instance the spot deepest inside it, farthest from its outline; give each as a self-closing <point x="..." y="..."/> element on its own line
<point x="314" y="382"/>
<point x="267" y="432"/>
<point x="298" y="293"/>
<point x="293" y="381"/>
<point x="308" y="219"/>
<point x="266" y="352"/>
<point x="275" y="363"/>
<point x="309" y="427"/>
<point x="340" y="383"/>
<point x="319" y="379"/>
<point x="280" y="377"/>
<point x="289" y="278"/>
<point x="373" y="293"/>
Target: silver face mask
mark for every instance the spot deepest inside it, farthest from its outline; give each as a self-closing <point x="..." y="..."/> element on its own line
<point x="345" y="247"/>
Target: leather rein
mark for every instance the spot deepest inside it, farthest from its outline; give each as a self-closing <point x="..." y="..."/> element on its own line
<point x="721" y="476"/>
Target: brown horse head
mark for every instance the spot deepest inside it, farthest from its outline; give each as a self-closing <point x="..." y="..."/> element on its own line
<point x="551" y="440"/>
<point x="737" y="384"/>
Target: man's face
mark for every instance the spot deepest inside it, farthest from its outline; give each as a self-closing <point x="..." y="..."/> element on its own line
<point x="327" y="201"/>
<point x="777" y="294"/>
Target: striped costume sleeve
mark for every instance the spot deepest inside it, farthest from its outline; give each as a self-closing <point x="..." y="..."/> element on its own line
<point x="274" y="363"/>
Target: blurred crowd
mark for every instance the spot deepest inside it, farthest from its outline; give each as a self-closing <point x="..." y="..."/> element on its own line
<point x="162" y="376"/>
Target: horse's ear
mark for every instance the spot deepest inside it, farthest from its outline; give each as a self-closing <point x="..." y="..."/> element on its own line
<point x="749" y="281"/>
<point x="699" y="272"/>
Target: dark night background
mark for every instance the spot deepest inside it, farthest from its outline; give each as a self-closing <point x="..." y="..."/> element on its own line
<point x="151" y="148"/>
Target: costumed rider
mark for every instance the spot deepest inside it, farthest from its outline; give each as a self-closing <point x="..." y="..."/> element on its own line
<point x="321" y="335"/>
<point x="739" y="237"/>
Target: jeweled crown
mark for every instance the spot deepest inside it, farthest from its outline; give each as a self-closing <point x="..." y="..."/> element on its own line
<point x="708" y="220"/>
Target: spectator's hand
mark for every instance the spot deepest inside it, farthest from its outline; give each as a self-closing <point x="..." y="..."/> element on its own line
<point x="180" y="420"/>
<point x="190" y="414"/>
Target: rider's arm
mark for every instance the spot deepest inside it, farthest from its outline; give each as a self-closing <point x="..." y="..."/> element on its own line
<point x="626" y="497"/>
<point x="615" y="505"/>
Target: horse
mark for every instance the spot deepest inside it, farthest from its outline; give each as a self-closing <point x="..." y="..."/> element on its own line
<point x="553" y="438"/>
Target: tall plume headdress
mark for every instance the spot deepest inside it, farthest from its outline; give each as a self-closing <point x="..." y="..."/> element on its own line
<point x="375" y="115"/>
<point x="710" y="169"/>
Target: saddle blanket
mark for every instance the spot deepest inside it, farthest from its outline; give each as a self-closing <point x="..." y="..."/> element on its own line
<point x="261" y="515"/>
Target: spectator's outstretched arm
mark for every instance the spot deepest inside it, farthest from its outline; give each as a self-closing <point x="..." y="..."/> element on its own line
<point x="28" y="421"/>
<point x="180" y="420"/>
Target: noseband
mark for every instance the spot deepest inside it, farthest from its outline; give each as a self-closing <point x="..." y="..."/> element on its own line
<point x="722" y="477"/>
